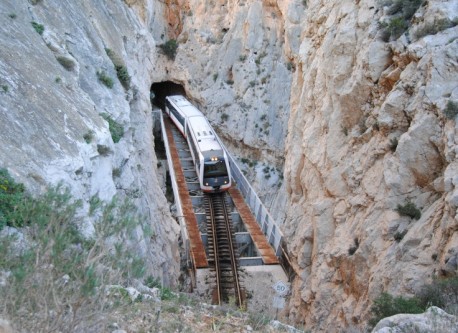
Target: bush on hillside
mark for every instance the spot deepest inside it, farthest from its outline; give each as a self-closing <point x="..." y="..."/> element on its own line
<point x="451" y="109"/>
<point x="116" y="129"/>
<point x="409" y="209"/>
<point x="170" y="48"/>
<point x="402" y="12"/>
<point x="12" y="195"/>
<point x="105" y="79"/>
<point x="442" y="293"/>
<point x="386" y="305"/>
<point x="64" y="282"/>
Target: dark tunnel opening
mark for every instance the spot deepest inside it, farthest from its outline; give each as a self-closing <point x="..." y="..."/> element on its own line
<point x="160" y="90"/>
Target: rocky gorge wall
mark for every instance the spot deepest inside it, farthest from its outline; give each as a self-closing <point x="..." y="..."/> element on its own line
<point x="353" y="96"/>
<point x="309" y="94"/>
<point x="51" y="107"/>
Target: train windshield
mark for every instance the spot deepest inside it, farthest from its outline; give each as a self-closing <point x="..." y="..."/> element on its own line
<point x="215" y="169"/>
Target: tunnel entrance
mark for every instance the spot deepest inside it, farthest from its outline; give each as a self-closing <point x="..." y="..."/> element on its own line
<point x="160" y="90"/>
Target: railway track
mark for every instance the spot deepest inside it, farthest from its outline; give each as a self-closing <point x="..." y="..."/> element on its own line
<point x="222" y="251"/>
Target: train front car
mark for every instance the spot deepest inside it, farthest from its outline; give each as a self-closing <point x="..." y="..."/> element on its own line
<point x="212" y="164"/>
<point x="209" y="157"/>
<point x="216" y="172"/>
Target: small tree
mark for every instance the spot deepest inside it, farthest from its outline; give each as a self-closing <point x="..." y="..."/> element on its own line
<point x="11" y="199"/>
<point x="386" y="305"/>
<point x="409" y="209"/>
<point x="116" y="129"/>
<point x="170" y="48"/>
<point x="451" y="110"/>
<point x="62" y="281"/>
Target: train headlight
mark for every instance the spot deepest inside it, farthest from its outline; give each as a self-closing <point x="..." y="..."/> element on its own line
<point x="225" y="182"/>
<point x="206" y="184"/>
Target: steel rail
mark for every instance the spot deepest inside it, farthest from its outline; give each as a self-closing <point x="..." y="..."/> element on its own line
<point x="211" y="216"/>
<point x="237" y="288"/>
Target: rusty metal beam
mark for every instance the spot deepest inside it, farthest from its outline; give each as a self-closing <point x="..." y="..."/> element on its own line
<point x="259" y="239"/>
<point x="197" y="249"/>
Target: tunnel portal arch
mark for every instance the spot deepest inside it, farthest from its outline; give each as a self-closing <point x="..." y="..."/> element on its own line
<point x="159" y="90"/>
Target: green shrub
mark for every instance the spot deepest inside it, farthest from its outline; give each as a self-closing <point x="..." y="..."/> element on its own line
<point x="170" y="48"/>
<point x="103" y="150"/>
<point x="165" y="293"/>
<point x="451" y="109"/>
<point x="89" y="136"/>
<point x="152" y="282"/>
<point x="116" y="129"/>
<point x="399" y="235"/>
<point x="116" y="172"/>
<point x="442" y="293"/>
<point x="5" y="88"/>
<point x="224" y="117"/>
<point x="12" y="196"/>
<point x="63" y="270"/>
<point x="110" y="53"/>
<point x="230" y="82"/>
<point x="38" y="27"/>
<point x="105" y="79"/>
<point x="258" y="321"/>
<point x="386" y="305"/>
<point x="215" y="76"/>
<point x="402" y="10"/>
<point x="396" y="27"/>
<point x="12" y="16"/>
<point x="123" y="75"/>
<point x="409" y="209"/>
<point x="121" y="69"/>
<point x="67" y="63"/>
<point x="435" y="27"/>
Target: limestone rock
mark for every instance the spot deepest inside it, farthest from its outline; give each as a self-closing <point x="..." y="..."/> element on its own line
<point x="51" y="103"/>
<point x="5" y="327"/>
<point x="433" y="320"/>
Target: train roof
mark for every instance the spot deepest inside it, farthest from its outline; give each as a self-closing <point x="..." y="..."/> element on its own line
<point x="185" y="106"/>
<point x="204" y="135"/>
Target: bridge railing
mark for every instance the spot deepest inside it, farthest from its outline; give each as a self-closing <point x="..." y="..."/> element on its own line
<point x="260" y="212"/>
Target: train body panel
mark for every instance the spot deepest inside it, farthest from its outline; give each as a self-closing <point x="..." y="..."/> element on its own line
<point x="210" y="158"/>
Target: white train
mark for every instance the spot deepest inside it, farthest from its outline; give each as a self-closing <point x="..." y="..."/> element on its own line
<point x="210" y="158"/>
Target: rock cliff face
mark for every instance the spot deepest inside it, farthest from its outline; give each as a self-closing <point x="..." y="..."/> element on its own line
<point x="336" y="125"/>
<point x="51" y="128"/>
<point x="354" y="98"/>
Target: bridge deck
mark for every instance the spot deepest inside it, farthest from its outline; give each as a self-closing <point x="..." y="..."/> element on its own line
<point x="265" y="250"/>
<point x="196" y="246"/>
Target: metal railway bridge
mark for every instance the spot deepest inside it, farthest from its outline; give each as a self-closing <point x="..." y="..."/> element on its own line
<point x="257" y="239"/>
